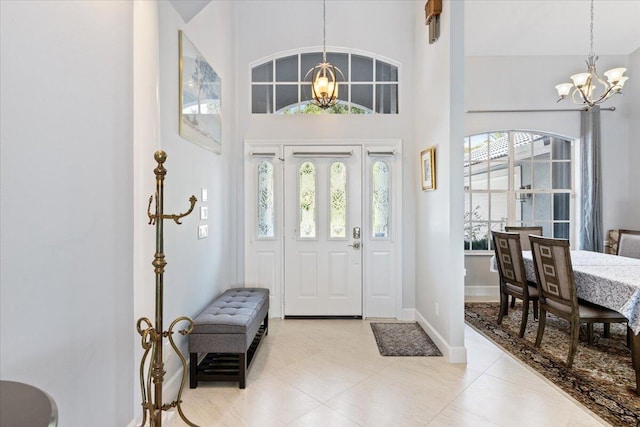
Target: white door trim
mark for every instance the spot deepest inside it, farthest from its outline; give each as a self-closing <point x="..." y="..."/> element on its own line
<point x="264" y="259"/>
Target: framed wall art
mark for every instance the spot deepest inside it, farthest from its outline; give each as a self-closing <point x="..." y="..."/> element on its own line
<point x="200" y="90"/>
<point x="428" y="168"/>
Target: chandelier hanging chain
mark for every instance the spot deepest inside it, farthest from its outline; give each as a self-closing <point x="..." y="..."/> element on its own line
<point x="324" y="30"/>
<point x="591" y="52"/>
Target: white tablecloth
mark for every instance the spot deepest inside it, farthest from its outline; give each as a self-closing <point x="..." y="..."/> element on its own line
<point x="609" y="280"/>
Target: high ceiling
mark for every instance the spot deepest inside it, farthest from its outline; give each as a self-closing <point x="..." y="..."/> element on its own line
<point x="532" y="27"/>
<point x="550" y="27"/>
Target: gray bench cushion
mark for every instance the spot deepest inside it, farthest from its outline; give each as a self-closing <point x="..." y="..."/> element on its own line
<point x="230" y="322"/>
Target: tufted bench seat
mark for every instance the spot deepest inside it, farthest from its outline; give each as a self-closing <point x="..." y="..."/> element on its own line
<point x="229" y="332"/>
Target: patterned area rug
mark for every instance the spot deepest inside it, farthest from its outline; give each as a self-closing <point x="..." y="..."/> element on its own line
<point x="403" y="339"/>
<point x="601" y="378"/>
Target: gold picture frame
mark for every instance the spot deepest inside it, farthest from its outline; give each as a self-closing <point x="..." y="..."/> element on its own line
<point x="200" y="104"/>
<point x="428" y="168"/>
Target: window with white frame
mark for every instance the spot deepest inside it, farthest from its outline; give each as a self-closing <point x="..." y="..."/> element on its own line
<point x="370" y="85"/>
<point x="516" y="178"/>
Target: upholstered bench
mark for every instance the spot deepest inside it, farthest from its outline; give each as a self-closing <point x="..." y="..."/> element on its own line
<point x="229" y="331"/>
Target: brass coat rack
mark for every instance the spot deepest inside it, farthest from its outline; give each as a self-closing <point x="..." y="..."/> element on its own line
<point x="152" y="405"/>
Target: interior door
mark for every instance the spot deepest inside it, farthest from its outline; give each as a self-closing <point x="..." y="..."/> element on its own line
<point x="323" y="217"/>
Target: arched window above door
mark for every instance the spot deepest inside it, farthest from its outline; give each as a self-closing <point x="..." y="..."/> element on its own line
<point x="370" y="86"/>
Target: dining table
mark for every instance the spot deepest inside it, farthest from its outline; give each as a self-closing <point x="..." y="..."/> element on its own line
<point x="608" y="280"/>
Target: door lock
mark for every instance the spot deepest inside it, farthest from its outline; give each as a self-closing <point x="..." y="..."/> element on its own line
<point x="356" y="232"/>
<point x="355" y="246"/>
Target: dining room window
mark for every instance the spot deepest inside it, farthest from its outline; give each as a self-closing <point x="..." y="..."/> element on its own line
<point x="516" y="178"/>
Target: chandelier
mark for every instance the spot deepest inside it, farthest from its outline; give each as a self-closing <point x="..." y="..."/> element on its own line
<point x="589" y="88"/>
<point x="324" y="76"/>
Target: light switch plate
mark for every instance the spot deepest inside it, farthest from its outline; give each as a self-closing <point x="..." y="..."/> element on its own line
<point x="203" y="231"/>
<point x="203" y="195"/>
<point x="204" y="212"/>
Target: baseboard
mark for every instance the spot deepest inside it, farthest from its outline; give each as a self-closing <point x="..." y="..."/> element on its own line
<point x="485" y="293"/>
<point x="453" y="354"/>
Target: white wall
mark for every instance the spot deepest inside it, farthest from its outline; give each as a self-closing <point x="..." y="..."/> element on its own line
<point x="491" y="84"/>
<point x="146" y="140"/>
<point x="270" y="27"/>
<point x="197" y="270"/>
<point x="632" y="92"/>
<point x="66" y="264"/>
<point x="439" y="229"/>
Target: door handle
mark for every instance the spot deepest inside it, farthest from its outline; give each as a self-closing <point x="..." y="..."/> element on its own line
<point x="355" y="246"/>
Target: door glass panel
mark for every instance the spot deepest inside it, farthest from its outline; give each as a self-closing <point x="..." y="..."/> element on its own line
<point x="380" y="200"/>
<point x="266" y="215"/>
<point x="307" y="200"/>
<point x="338" y="205"/>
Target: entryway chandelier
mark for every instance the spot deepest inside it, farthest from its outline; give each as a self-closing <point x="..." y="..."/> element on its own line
<point x="324" y="76"/>
<point x="589" y="88"/>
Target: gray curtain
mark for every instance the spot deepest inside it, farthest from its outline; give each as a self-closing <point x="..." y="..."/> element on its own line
<point x="591" y="236"/>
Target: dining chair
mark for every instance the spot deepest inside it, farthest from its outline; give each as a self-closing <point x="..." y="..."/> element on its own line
<point x="513" y="278"/>
<point x="524" y="240"/>
<point x="629" y="243"/>
<point x="524" y="234"/>
<point x="558" y="294"/>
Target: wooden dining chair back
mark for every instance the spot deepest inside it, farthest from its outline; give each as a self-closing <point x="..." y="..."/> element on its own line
<point x="524" y="234"/>
<point x="513" y="279"/>
<point x="524" y="241"/>
<point x="558" y="293"/>
<point x="629" y="243"/>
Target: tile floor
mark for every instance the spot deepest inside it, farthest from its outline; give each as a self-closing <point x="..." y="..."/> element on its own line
<point x="329" y="373"/>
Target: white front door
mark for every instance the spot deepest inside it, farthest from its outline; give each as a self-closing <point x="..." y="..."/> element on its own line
<point x="322" y="231"/>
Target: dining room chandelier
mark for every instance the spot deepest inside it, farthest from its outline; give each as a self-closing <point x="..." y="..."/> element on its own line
<point x="324" y="76"/>
<point x="589" y="88"/>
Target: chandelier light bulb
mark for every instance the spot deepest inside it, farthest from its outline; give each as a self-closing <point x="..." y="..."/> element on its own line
<point x="564" y="89"/>
<point x="614" y="75"/>
<point x="579" y="80"/>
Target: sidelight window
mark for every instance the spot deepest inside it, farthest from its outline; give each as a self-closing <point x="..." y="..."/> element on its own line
<point x="338" y="202"/>
<point x="307" y="200"/>
<point x="380" y="200"/>
<point x="266" y="215"/>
